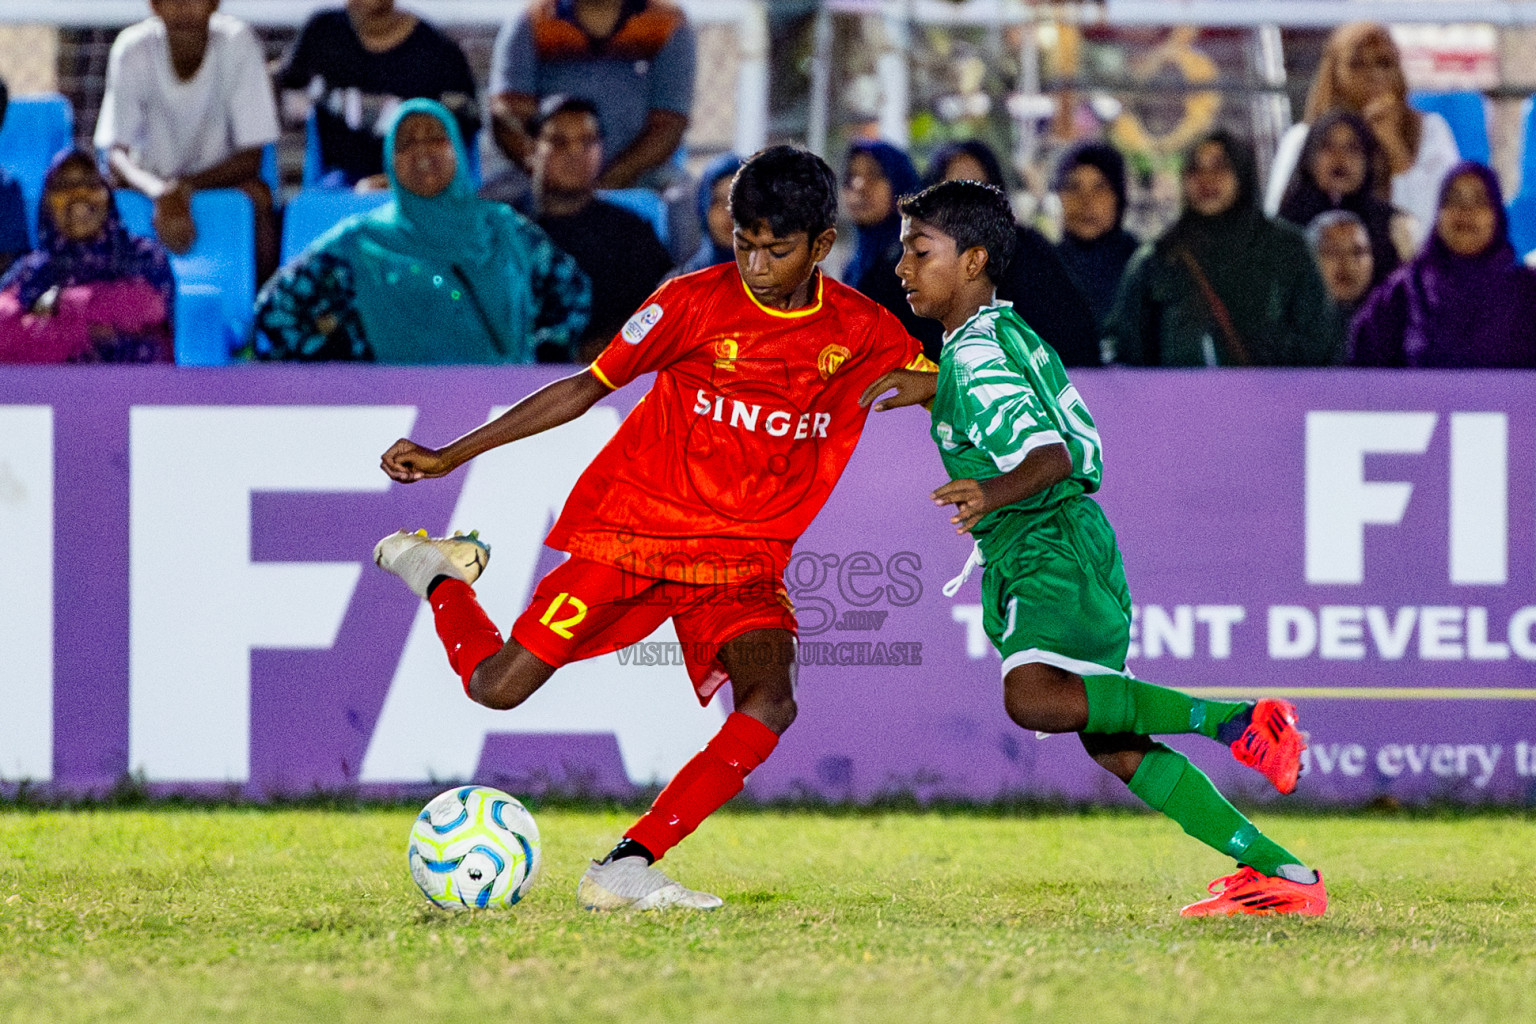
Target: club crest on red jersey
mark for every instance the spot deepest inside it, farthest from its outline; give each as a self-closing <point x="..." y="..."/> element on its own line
<point x="830" y="359"/>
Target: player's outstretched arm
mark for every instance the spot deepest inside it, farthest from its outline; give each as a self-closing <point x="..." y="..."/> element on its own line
<point x="545" y="409"/>
<point x="913" y="387"/>
<point x="1044" y="467"/>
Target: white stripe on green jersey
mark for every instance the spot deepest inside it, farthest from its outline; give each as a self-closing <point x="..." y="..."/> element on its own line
<point x="1002" y="393"/>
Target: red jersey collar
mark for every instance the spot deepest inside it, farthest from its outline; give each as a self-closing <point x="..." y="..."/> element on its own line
<point x="790" y="314"/>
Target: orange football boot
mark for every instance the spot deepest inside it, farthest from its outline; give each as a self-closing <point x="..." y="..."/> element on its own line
<point x="1272" y="743"/>
<point x="1248" y="892"/>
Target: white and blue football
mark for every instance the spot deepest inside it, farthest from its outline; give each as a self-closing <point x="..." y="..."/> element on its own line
<point x="473" y="848"/>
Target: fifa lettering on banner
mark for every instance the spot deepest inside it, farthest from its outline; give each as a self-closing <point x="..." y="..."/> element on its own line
<point x="1342" y="501"/>
<point x="641" y="323"/>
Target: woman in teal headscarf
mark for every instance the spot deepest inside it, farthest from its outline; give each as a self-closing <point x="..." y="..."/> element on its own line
<point x="436" y="276"/>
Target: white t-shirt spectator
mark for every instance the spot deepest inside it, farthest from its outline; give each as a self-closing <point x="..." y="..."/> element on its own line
<point x="174" y="128"/>
<point x="1416" y="191"/>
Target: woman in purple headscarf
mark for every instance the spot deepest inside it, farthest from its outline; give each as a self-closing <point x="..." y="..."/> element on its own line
<point x="1465" y="300"/>
<point x="91" y="292"/>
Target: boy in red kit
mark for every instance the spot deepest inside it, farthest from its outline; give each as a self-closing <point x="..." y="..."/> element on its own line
<point x="692" y="510"/>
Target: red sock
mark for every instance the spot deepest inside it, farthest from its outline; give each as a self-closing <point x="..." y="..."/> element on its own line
<point x="705" y="783"/>
<point x="468" y="634"/>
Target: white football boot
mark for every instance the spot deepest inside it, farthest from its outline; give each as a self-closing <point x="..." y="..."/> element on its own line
<point x="418" y="559"/>
<point x="629" y="883"/>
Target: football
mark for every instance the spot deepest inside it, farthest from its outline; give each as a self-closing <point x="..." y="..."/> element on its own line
<point x="474" y="847"/>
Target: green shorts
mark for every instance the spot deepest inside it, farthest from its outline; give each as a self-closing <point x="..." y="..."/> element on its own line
<point x="1058" y="595"/>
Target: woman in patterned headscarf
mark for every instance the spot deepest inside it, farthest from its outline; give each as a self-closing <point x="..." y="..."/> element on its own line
<point x="91" y="292"/>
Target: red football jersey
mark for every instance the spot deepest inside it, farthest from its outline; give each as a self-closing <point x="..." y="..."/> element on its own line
<point x="754" y="413"/>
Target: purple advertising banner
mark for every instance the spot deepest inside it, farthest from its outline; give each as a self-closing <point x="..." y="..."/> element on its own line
<point x="189" y="601"/>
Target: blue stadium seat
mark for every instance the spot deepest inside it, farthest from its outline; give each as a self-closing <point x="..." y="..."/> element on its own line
<point x="314" y="211"/>
<point x="1522" y="223"/>
<point x="223" y="259"/>
<point x="1522" y="208"/>
<point x="313" y="167"/>
<point x="36" y="128"/>
<point x="269" y="171"/>
<point x="1528" y="147"/>
<point x="200" y="338"/>
<point x="472" y="147"/>
<point x="1465" y="113"/>
<point x="641" y="201"/>
<point x="137" y="211"/>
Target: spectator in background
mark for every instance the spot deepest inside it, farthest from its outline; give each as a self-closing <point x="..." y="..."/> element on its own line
<point x="355" y="65"/>
<point x="1342" y="247"/>
<point x="188" y="107"/>
<point x="616" y="249"/>
<point x="91" y="292"/>
<point x="1094" y="246"/>
<point x="716" y="228"/>
<point x="1362" y="72"/>
<point x="633" y="59"/>
<point x="1224" y="285"/>
<point x="875" y="175"/>
<point x="1035" y="280"/>
<point x="436" y="276"/>
<point x="13" y="211"/>
<point x="1337" y="171"/>
<point x="1465" y="301"/>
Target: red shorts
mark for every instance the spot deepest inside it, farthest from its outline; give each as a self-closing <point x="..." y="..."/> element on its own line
<point x="584" y="608"/>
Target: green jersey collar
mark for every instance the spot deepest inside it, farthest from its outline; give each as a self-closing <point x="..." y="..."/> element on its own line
<point x="996" y="303"/>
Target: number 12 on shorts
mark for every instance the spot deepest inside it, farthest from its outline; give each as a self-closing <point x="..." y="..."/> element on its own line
<point x="562" y="627"/>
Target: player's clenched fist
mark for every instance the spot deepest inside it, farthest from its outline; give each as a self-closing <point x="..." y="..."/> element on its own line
<point x="407" y="462"/>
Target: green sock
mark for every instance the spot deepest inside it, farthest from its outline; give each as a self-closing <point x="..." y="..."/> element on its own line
<point x="1167" y="782"/>
<point x="1122" y="704"/>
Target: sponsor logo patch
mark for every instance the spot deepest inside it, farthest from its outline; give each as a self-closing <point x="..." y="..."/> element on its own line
<point x="725" y="354"/>
<point x="641" y="323"/>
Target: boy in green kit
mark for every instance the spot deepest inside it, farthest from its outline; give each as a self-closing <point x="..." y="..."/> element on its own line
<point x="1023" y="456"/>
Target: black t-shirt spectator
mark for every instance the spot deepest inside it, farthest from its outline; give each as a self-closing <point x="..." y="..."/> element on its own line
<point x="355" y="90"/>
<point x="620" y="254"/>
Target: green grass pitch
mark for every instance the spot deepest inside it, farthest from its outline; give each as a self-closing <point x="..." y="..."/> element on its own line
<point x="309" y="915"/>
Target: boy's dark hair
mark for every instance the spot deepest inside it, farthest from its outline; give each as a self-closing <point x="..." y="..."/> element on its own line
<point x="560" y="103"/>
<point x="787" y="188"/>
<point x="972" y="214"/>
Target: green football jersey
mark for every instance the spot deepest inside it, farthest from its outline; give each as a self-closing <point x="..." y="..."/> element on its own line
<point x="1002" y="393"/>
